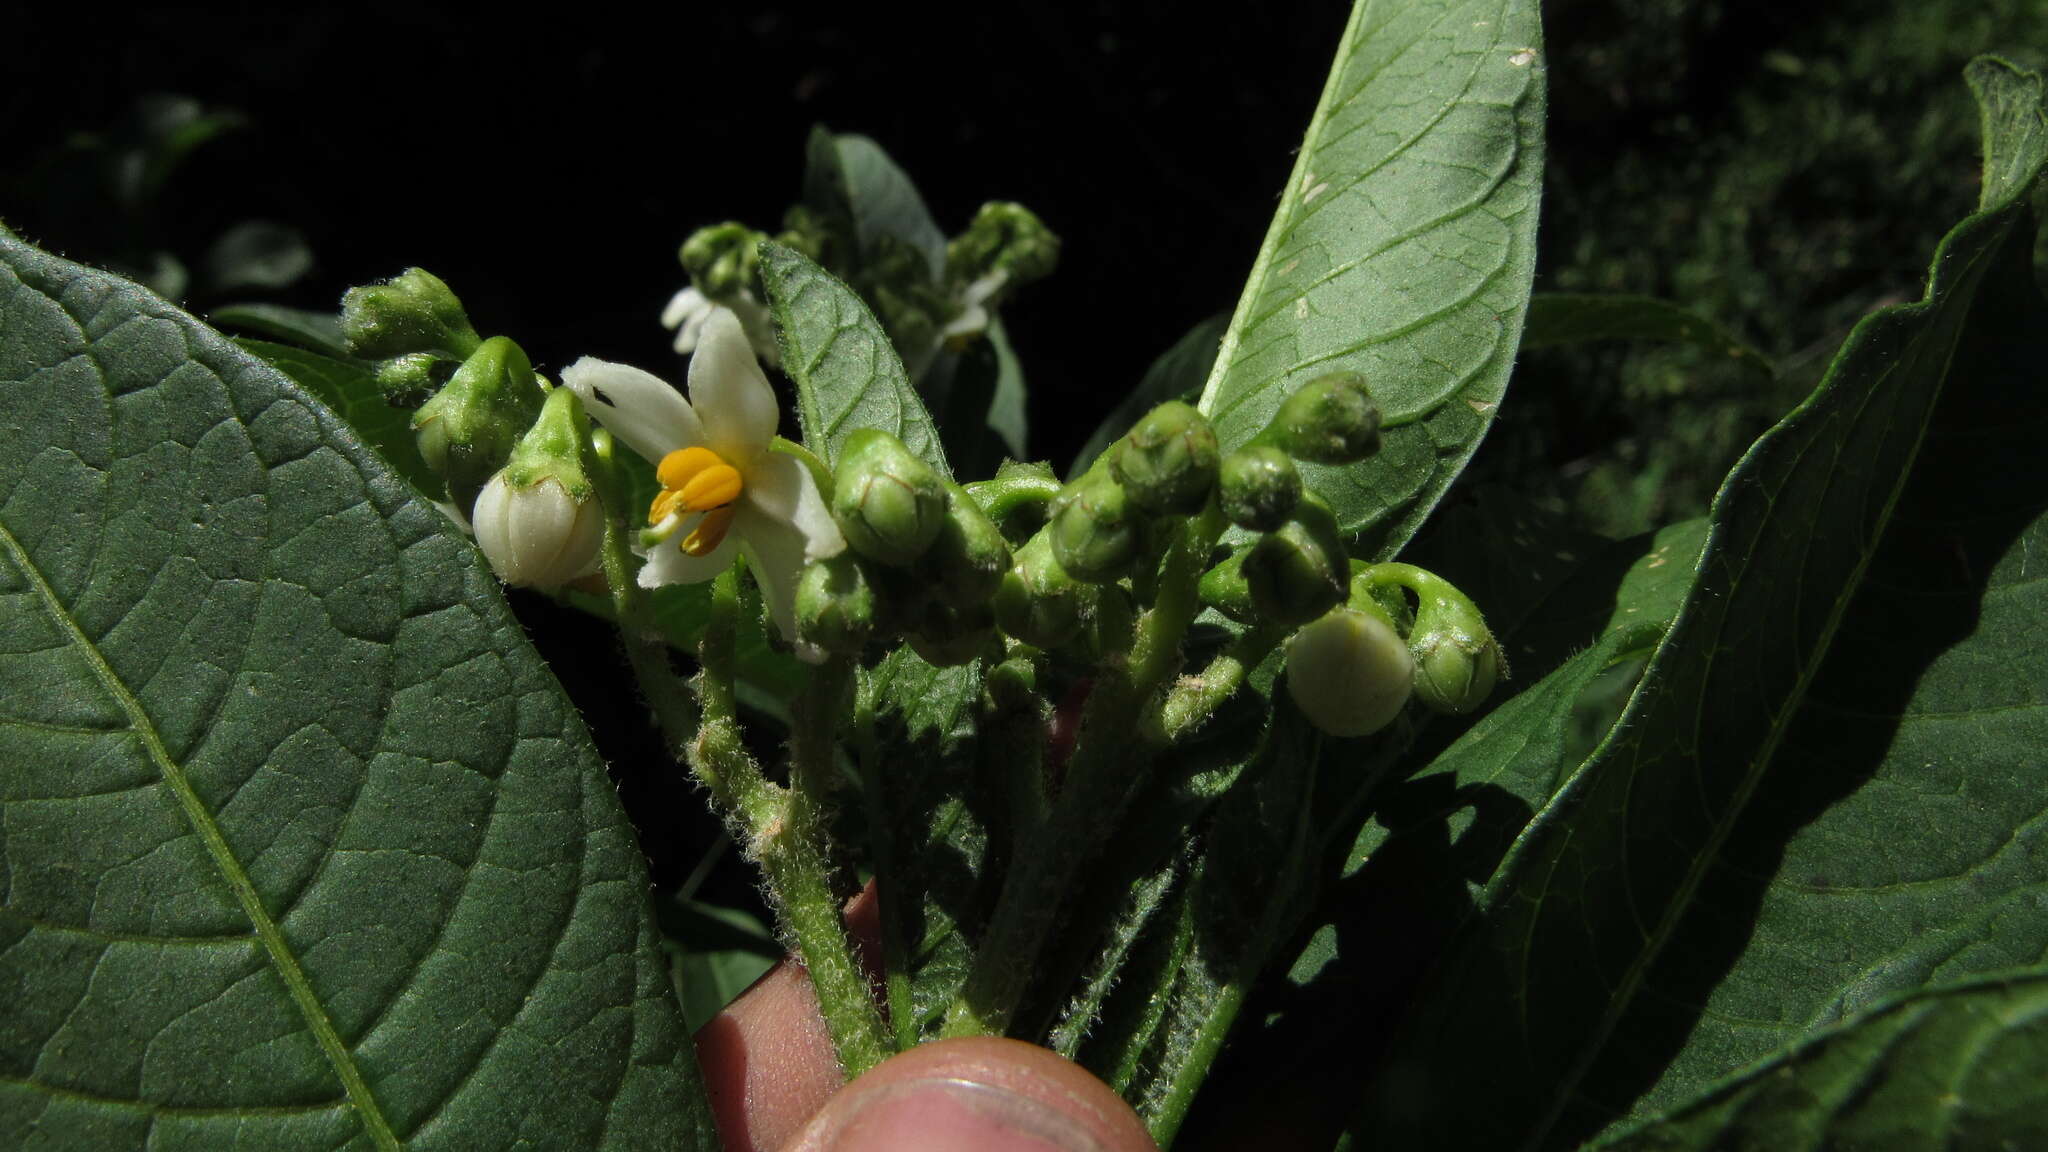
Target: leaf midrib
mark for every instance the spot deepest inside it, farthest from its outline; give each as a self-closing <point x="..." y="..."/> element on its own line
<point x="279" y="951"/>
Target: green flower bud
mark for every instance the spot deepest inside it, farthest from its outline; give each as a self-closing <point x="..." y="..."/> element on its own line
<point x="809" y="232"/>
<point x="951" y="636"/>
<point x="1349" y="673"/>
<point x="406" y="381"/>
<point x="1095" y="530"/>
<point x="1167" y="462"/>
<point x="721" y="259"/>
<point x="890" y="504"/>
<point x="466" y="432"/>
<point x="1005" y="237"/>
<point x="1329" y="420"/>
<point x="1037" y="601"/>
<point x="837" y="606"/>
<point x="1299" y="570"/>
<point x="1225" y="589"/>
<point x="539" y="520"/>
<point x="1457" y="659"/>
<point x="966" y="563"/>
<point x="1257" y="487"/>
<point x="412" y="312"/>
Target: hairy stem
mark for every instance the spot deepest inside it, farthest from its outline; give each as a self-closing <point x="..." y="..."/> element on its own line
<point x="1104" y="773"/>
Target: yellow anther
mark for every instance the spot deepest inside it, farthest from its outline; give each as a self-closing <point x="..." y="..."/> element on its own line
<point x="680" y="466"/>
<point x="714" y="487"/>
<point x="709" y="533"/>
<point x="664" y="505"/>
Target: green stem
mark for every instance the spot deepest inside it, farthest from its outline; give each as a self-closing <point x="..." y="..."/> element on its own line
<point x="1195" y="698"/>
<point x="1105" y="772"/>
<point x="782" y="828"/>
<point x="646" y="652"/>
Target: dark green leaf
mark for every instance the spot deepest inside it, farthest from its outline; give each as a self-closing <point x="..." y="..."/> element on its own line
<point x="318" y="331"/>
<point x="1176" y="375"/>
<point x="717" y="953"/>
<point x="1556" y="987"/>
<point x="303" y="846"/>
<point x="1955" y="1067"/>
<point x="1403" y="249"/>
<point x="1557" y="318"/>
<point x="977" y="394"/>
<point x="349" y="387"/>
<point x="850" y="177"/>
<point x="847" y="374"/>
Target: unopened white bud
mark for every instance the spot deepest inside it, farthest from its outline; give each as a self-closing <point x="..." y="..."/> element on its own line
<point x="538" y="536"/>
<point x="1349" y="672"/>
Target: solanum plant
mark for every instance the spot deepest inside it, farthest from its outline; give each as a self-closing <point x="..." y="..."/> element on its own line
<point x="1461" y="831"/>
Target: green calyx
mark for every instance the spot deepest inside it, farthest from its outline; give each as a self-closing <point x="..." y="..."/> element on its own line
<point x="406" y="381"/>
<point x="890" y="505"/>
<point x="1005" y="238"/>
<point x="1330" y="420"/>
<point x="1168" y="461"/>
<point x="966" y="562"/>
<point x="837" y="606"/>
<point x="1457" y="658"/>
<point x="554" y="448"/>
<point x="1037" y="601"/>
<point x="1095" y="528"/>
<point x="1257" y="487"/>
<point x="721" y="259"/>
<point x="412" y="312"/>
<point x="466" y="432"/>
<point x="1299" y="570"/>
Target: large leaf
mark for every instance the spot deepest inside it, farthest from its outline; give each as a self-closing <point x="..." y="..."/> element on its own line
<point x="847" y="374"/>
<point x="1928" y="722"/>
<point x="1403" y="249"/>
<point x="1552" y="992"/>
<point x="302" y="845"/>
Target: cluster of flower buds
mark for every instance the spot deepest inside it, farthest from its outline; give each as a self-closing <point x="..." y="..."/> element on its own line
<point x="511" y="452"/>
<point x="415" y="331"/>
<point x="1353" y="669"/>
<point x="923" y="559"/>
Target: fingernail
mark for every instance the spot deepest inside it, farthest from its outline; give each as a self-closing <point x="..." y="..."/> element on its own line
<point x="947" y="1115"/>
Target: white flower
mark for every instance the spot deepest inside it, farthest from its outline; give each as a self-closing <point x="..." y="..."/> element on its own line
<point x="539" y="536"/>
<point x="973" y="300"/>
<point x="725" y="491"/>
<point x="689" y="310"/>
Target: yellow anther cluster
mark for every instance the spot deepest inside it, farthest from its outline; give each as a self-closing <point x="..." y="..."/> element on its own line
<point x="697" y="480"/>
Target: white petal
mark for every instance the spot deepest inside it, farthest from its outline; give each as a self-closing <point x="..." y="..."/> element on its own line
<point x="491" y="521"/>
<point x="730" y="392"/>
<point x="691" y="331"/>
<point x="638" y="407"/>
<point x="781" y="489"/>
<point x="668" y="564"/>
<point x="775" y="552"/>
<point x="682" y="306"/>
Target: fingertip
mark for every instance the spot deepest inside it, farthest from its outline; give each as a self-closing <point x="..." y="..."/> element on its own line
<point x="984" y="1093"/>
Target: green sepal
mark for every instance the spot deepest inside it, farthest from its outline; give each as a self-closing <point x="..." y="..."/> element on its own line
<point x="1329" y="420"/>
<point x="554" y="448"/>
<point x="838" y="607"/>
<point x="1299" y="570"/>
<point x="967" y="561"/>
<point x="721" y="259"/>
<point x="411" y="312"/>
<point x="467" y="430"/>
<point x="1037" y="601"/>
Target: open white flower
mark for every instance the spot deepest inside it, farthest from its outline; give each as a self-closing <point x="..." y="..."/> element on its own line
<point x="689" y="310"/>
<point x="724" y="490"/>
